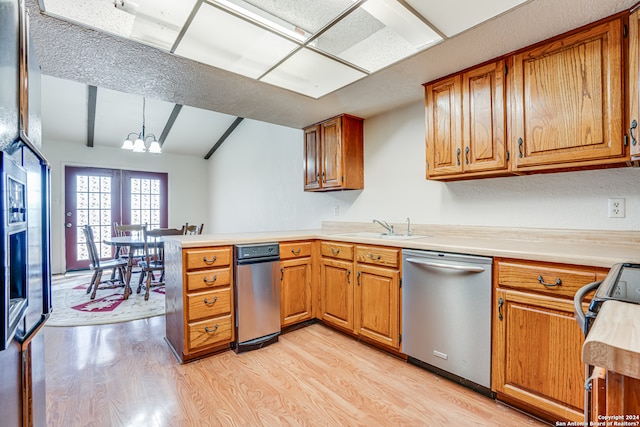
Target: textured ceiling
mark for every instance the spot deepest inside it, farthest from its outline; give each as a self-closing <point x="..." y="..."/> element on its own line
<point x="84" y="55"/>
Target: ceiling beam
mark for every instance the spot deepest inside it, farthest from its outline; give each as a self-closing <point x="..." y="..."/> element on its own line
<point x="170" y="122"/>
<point x="91" y="114"/>
<point x="226" y="134"/>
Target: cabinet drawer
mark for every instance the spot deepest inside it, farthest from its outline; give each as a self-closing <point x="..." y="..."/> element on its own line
<point x="209" y="332"/>
<point x="337" y="250"/>
<point x="295" y="250"/>
<point x="387" y="257"/>
<point x="207" y="257"/>
<point x="208" y="304"/>
<point x="207" y="279"/>
<point x="557" y="280"/>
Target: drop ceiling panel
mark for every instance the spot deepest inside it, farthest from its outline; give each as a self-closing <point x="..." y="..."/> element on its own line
<point x="159" y="22"/>
<point x="196" y="131"/>
<point x="308" y="15"/>
<point x="454" y="16"/>
<point x="119" y="113"/>
<point x="225" y="41"/>
<point x="64" y="110"/>
<point x="312" y="74"/>
<point x="376" y="35"/>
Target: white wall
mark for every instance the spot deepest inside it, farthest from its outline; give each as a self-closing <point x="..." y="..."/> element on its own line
<point x="185" y="172"/>
<point x="256" y="184"/>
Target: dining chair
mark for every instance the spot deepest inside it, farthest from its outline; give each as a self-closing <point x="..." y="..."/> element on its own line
<point x="193" y="229"/>
<point x="98" y="266"/>
<point x="134" y="230"/>
<point x="154" y="257"/>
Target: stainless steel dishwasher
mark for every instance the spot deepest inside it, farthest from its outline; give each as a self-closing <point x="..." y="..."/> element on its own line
<point x="446" y="315"/>
<point x="257" y="295"/>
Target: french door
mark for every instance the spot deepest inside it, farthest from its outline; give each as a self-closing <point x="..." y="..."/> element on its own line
<point x="99" y="197"/>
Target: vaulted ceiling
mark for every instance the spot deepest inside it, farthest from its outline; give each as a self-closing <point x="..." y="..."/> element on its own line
<point x="74" y="57"/>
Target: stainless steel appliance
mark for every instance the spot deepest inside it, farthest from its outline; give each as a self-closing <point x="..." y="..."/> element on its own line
<point x="446" y="315"/>
<point x="257" y="295"/>
<point x="622" y="284"/>
<point x="24" y="226"/>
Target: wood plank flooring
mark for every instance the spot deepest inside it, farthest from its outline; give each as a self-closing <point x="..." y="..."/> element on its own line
<point x="125" y="375"/>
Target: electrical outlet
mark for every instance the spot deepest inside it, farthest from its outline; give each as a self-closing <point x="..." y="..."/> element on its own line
<point x="616" y="208"/>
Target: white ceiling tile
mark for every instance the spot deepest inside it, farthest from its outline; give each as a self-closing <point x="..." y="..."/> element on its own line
<point x="159" y="22"/>
<point x="312" y="74"/>
<point x="454" y="16"/>
<point x="376" y="35"/>
<point x="224" y="41"/>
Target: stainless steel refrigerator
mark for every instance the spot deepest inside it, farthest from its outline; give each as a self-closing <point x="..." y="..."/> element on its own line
<point x="25" y="300"/>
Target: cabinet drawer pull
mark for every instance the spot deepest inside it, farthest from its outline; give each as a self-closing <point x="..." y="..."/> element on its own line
<point x="358" y="278"/>
<point x="211" y="330"/>
<point x="293" y="251"/>
<point x="458" y="156"/>
<point x="208" y="282"/>
<point x="335" y="251"/>
<point x="466" y="155"/>
<point x="500" y="304"/>
<point x="281" y="274"/>
<point x="210" y="303"/>
<point x="634" y="124"/>
<point x="373" y="257"/>
<point x="550" y="285"/>
<point x="209" y="261"/>
<point x="348" y="275"/>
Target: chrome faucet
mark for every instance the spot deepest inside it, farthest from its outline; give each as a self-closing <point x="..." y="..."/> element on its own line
<point x="386" y="225"/>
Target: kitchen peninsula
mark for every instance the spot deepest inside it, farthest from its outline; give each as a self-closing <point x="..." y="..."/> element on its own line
<point x="582" y="256"/>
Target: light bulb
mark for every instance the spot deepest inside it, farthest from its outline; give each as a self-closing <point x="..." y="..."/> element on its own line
<point x="154" y="147"/>
<point x="138" y="146"/>
<point x="127" y="144"/>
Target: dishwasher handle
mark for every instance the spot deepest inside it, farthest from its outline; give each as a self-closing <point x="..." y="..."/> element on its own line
<point x="465" y="268"/>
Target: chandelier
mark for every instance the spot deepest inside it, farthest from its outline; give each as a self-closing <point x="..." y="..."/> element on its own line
<point x="140" y="145"/>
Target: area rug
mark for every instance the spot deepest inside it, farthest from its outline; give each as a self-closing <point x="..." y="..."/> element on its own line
<point x="72" y="306"/>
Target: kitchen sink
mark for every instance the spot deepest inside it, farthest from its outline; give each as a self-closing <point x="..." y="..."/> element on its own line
<point x="374" y="235"/>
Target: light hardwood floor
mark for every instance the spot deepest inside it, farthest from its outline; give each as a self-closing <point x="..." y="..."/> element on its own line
<point x="125" y="375"/>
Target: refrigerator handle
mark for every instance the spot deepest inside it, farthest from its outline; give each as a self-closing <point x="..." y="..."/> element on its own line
<point x="25" y="338"/>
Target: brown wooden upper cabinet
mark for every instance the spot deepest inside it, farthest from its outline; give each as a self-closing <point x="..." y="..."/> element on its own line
<point x="634" y="88"/>
<point x="334" y="154"/>
<point x="557" y="105"/>
<point x="566" y="100"/>
<point x="465" y="116"/>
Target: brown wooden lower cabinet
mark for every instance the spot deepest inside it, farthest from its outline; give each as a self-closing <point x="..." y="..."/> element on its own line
<point x="377" y="295"/>
<point x="295" y="283"/>
<point x="199" y="300"/>
<point x="537" y="344"/>
<point x="615" y="397"/>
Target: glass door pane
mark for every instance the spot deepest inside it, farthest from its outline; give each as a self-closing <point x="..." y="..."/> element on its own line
<point x="144" y="198"/>
<point x="92" y="197"/>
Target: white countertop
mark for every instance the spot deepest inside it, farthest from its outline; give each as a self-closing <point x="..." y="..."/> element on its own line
<point x="570" y="247"/>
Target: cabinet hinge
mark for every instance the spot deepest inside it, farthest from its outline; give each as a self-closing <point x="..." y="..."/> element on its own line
<point x="625" y="31"/>
<point x="399" y="338"/>
<point x="508" y="155"/>
<point x="343" y="179"/>
<point x="401" y="282"/>
<point x="506" y="69"/>
<point x="626" y="140"/>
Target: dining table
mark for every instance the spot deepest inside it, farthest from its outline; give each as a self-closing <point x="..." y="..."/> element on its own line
<point x="134" y="243"/>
